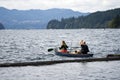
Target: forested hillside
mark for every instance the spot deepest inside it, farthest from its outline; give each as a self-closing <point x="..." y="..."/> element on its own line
<point x="115" y="22"/>
<point x="103" y="19"/>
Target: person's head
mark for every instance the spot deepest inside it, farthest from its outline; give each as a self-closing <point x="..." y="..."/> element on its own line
<point x="81" y="42"/>
<point x="84" y="43"/>
<point x="63" y="43"/>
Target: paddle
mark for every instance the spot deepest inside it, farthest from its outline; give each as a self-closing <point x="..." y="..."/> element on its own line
<point x="75" y="47"/>
<point x="51" y="49"/>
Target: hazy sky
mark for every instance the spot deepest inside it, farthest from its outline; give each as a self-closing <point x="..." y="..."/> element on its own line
<point x="76" y="5"/>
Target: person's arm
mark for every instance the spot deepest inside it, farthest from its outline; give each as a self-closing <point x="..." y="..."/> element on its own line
<point x="87" y="48"/>
<point x="66" y="46"/>
<point x="61" y="47"/>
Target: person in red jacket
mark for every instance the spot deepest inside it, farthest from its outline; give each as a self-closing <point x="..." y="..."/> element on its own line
<point x="63" y="47"/>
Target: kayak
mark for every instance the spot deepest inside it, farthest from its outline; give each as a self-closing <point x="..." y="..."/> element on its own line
<point x="73" y="55"/>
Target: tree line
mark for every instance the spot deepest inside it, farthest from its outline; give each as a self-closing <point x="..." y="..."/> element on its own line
<point x="103" y="19"/>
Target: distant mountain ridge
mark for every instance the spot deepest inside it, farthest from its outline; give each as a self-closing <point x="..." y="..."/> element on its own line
<point x="34" y="18"/>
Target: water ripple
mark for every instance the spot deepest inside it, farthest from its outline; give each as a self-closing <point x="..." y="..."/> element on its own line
<point x="32" y="45"/>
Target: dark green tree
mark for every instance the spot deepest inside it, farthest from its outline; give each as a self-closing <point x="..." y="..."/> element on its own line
<point x="53" y="24"/>
<point x="115" y="22"/>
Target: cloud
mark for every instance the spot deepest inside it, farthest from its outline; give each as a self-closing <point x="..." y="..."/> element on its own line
<point x="77" y="5"/>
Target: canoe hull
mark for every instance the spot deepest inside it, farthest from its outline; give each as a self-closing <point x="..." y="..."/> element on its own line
<point x="73" y="55"/>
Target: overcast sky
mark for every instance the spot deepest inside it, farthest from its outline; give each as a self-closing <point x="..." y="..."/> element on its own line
<point x="76" y="5"/>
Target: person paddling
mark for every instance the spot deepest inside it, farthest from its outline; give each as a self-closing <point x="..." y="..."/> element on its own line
<point x="63" y="47"/>
<point x="84" y="48"/>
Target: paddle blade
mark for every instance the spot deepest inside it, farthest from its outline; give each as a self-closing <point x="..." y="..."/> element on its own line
<point x="50" y="49"/>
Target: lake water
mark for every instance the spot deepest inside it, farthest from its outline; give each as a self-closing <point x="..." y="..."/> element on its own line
<point x="32" y="45"/>
<point x="66" y="71"/>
